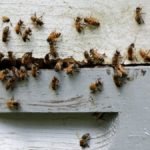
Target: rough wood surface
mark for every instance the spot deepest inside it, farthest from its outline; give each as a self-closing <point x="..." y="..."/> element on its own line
<point x="55" y="131"/>
<point x="118" y="27"/>
<point x="23" y="130"/>
<point x="35" y="95"/>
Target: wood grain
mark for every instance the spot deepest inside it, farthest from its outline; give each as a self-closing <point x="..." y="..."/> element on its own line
<point x="73" y="95"/>
<point x="55" y="131"/>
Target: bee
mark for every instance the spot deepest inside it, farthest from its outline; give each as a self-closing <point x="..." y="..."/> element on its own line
<point x="130" y="50"/>
<point x="27" y="59"/>
<point x="53" y="36"/>
<point x="116" y="58"/>
<point x="12" y="104"/>
<point x="11" y="58"/>
<point x="87" y="57"/>
<point x="138" y="16"/>
<point x="92" y="21"/>
<point x="59" y="65"/>
<point x="96" y="86"/>
<point x="72" y="68"/>
<point x="3" y="74"/>
<point x="10" y="82"/>
<point x="26" y="34"/>
<point x="53" y="51"/>
<point x="34" y="70"/>
<point x="145" y="55"/>
<point x="5" y="34"/>
<point x="79" y="26"/>
<point x="47" y="59"/>
<point x="84" y="140"/>
<point x="1" y="56"/>
<point x="5" y="19"/>
<point x="55" y="83"/>
<point x="22" y="73"/>
<point x="36" y="20"/>
<point x="120" y="75"/>
<point x="19" y="26"/>
<point x="97" y="57"/>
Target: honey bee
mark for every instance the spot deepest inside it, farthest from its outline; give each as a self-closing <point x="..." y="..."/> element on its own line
<point x="34" y="70"/>
<point x="47" y="59"/>
<point x="53" y="51"/>
<point x="145" y="55"/>
<point x="130" y="50"/>
<point x="53" y="36"/>
<point x="3" y="74"/>
<point x="27" y="59"/>
<point x="12" y="104"/>
<point x="120" y="75"/>
<point x="5" y="19"/>
<point x="87" y="57"/>
<point x="59" y="65"/>
<point x="138" y="16"/>
<point x="11" y="58"/>
<point x="116" y="58"/>
<point x="84" y="140"/>
<point x="19" y="26"/>
<point x="79" y="26"/>
<point x="5" y="34"/>
<point x="55" y="83"/>
<point x="26" y="34"/>
<point x="1" y="56"/>
<point x="72" y="68"/>
<point x="97" y="57"/>
<point x="92" y="21"/>
<point x="22" y="73"/>
<point x="36" y="20"/>
<point x="96" y="86"/>
<point x="10" y="82"/>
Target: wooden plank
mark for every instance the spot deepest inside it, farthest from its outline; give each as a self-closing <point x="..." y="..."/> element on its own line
<point x="55" y="131"/>
<point x="118" y="27"/>
<point x="74" y="95"/>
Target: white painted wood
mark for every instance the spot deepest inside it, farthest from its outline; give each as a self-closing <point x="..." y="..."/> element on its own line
<point x="74" y="95"/>
<point x="118" y="27"/>
<point x="55" y="131"/>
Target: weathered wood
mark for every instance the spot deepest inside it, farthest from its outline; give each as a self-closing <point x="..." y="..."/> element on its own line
<point x="118" y="27"/>
<point x="48" y="131"/>
<point x="55" y="131"/>
<point x="73" y="95"/>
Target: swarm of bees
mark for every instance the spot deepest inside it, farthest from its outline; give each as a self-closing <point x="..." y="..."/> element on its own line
<point x="20" y="29"/>
<point x="17" y="69"/>
<point x="84" y="141"/>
